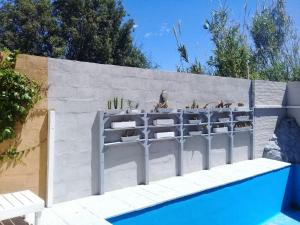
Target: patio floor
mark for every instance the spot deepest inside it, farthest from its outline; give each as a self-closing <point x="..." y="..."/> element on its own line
<point x="94" y="209"/>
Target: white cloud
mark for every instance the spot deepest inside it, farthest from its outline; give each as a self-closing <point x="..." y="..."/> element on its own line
<point x="164" y="29"/>
<point x="135" y="26"/>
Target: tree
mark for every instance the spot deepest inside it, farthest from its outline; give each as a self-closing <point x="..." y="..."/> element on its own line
<point x="185" y="65"/>
<point x="276" y="53"/>
<point x="84" y="30"/>
<point x="231" y="53"/>
<point x="29" y="26"/>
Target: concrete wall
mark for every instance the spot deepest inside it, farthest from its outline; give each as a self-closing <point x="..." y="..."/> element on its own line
<point x="30" y="171"/>
<point x="77" y="90"/>
<point x="293" y="93"/>
<point x="267" y="94"/>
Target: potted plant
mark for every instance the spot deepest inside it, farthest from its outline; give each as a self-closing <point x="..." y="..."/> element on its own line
<point x="133" y="107"/>
<point x="115" y="106"/>
<point x="241" y="107"/>
<point x="195" y="133"/>
<point x="195" y="120"/>
<point x="194" y="107"/>
<point x="242" y="126"/>
<point x="162" y="105"/>
<point x="220" y="129"/>
<point x="130" y="136"/>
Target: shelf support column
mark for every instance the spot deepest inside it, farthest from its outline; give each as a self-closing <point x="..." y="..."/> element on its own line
<point x="101" y="152"/>
<point x="209" y="137"/>
<point x="180" y="152"/>
<point x="231" y="144"/>
<point x="146" y="149"/>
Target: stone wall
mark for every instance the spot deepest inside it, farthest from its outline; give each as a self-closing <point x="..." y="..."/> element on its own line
<point x="30" y="172"/>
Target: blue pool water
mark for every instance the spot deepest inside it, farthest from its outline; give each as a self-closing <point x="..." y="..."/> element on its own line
<point x="265" y="199"/>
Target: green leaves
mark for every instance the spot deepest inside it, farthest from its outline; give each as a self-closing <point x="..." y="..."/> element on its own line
<point x="18" y="96"/>
<point x="231" y="53"/>
<point x="85" y="30"/>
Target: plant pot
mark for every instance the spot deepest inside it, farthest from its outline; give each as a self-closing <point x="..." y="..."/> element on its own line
<point x="220" y="129"/>
<point x="242" y="118"/>
<point x="133" y="111"/>
<point x="164" y="135"/>
<point x="116" y="112"/>
<point x="130" y="138"/>
<point x="192" y="110"/>
<point x="163" y="122"/>
<point x="124" y="124"/>
<point x="242" y="128"/>
<point x="165" y="110"/>
<point x="195" y="121"/>
<point x="195" y="133"/>
<point x="241" y="109"/>
<point x="224" y="119"/>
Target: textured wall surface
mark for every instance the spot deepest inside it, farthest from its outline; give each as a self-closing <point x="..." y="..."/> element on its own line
<point x="293" y="93"/>
<point x="267" y="93"/>
<point x="30" y="172"/>
<point x="77" y="90"/>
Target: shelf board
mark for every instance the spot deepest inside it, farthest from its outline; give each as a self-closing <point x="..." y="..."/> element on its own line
<point x="190" y="124"/>
<point x="220" y="122"/>
<point x="121" y="143"/>
<point x="125" y="114"/>
<point x="164" y="139"/>
<point x="277" y="107"/>
<point x="201" y="135"/>
<point x="240" y="131"/>
<point x="163" y="126"/>
<point x="237" y="121"/>
<point x="227" y="132"/>
<point x="125" y="128"/>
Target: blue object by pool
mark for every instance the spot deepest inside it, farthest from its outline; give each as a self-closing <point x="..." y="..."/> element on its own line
<point x="263" y="199"/>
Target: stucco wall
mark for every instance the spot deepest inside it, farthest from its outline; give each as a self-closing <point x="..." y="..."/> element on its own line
<point x="30" y="172"/>
<point x="77" y="90"/>
<point x="267" y="94"/>
<point x="293" y="93"/>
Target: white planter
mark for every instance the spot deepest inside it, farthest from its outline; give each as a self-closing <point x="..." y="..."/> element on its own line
<point x="195" y="121"/>
<point x="194" y="133"/>
<point x="134" y="111"/>
<point x="242" y="118"/>
<point x="164" y="135"/>
<point x="163" y="122"/>
<point x="242" y="128"/>
<point x="166" y="110"/>
<point x="224" y="120"/>
<point x="220" y="129"/>
<point x="116" y="112"/>
<point x="241" y="109"/>
<point x="130" y="138"/>
<point x="124" y="124"/>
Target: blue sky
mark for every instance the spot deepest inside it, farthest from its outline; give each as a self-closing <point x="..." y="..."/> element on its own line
<point x="155" y="18"/>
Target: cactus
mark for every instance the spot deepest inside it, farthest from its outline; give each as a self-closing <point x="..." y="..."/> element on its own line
<point x="122" y="100"/>
<point x="109" y="104"/>
<point x="116" y="102"/>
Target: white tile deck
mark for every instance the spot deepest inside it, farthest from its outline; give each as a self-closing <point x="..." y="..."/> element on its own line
<point x="94" y="209"/>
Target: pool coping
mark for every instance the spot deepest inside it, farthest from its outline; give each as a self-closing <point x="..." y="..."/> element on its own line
<point x="98" y="208"/>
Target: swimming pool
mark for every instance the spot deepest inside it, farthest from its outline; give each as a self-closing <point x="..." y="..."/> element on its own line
<point x="257" y="200"/>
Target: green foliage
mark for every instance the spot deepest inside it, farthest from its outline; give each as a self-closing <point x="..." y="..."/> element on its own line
<point x="84" y="30"/>
<point x="231" y="53"/>
<point x="18" y="94"/>
<point x="276" y="54"/>
<point x="185" y="65"/>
